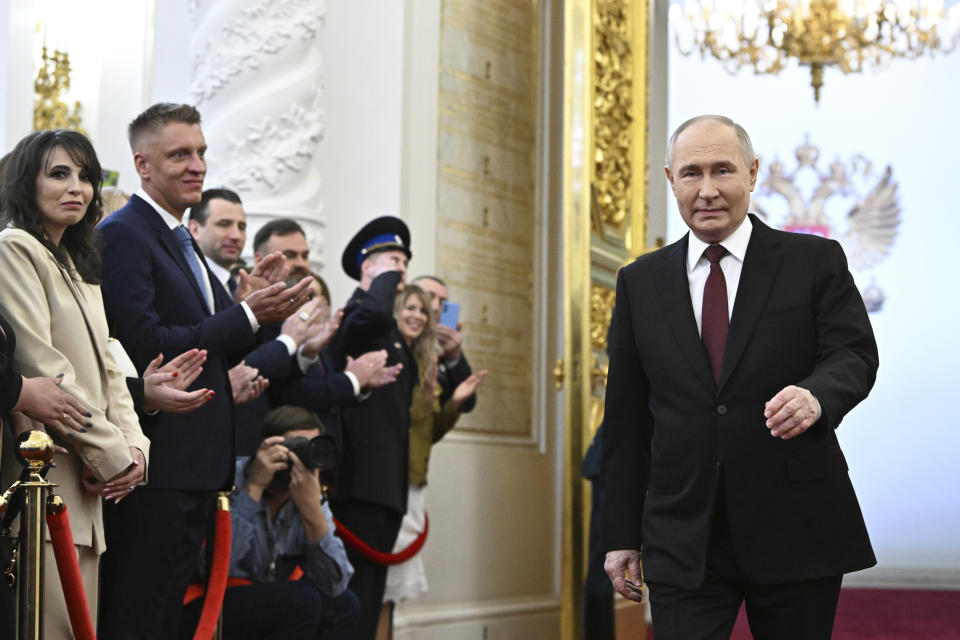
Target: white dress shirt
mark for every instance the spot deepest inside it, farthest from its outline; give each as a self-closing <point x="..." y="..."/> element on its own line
<point x="698" y="267"/>
<point x="171" y="221"/>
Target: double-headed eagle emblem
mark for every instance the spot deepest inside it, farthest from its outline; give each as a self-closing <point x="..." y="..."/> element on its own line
<point x="867" y="231"/>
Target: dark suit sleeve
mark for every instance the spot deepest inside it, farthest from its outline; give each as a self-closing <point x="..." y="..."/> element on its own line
<point x="272" y="360"/>
<point x="628" y="427"/>
<point x="454" y="376"/>
<point x="847" y="358"/>
<point x="10" y="380"/>
<point x="131" y="299"/>
<point x="371" y="316"/>
<point x="137" y="389"/>
<point x="317" y="391"/>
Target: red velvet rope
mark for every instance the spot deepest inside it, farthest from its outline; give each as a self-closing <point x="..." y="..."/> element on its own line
<point x="217" y="584"/>
<point x="69" y="569"/>
<point x="379" y="557"/>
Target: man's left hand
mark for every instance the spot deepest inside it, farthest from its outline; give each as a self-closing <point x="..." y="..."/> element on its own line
<point x="271" y="269"/>
<point x="791" y="412"/>
<point x="322" y="332"/>
<point x="449" y="340"/>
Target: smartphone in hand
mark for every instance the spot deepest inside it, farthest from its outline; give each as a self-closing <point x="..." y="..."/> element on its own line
<point x="449" y="314"/>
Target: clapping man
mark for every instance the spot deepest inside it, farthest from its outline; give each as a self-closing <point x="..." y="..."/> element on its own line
<point x="161" y="298"/>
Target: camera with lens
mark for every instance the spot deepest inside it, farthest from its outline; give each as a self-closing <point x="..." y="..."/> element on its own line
<point x="315" y="453"/>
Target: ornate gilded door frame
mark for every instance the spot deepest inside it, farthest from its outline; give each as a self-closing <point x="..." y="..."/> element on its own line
<point x="605" y="173"/>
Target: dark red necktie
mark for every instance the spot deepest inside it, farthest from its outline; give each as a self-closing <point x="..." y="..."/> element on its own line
<point x="715" y="320"/>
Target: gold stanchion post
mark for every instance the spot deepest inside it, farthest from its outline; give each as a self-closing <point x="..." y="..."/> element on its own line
<point x="35" y="450"/>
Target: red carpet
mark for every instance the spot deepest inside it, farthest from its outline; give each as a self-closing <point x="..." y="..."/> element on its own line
<point x="888" y="614"/>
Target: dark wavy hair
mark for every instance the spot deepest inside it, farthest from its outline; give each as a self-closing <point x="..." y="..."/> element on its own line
<point x="19" y="197"/>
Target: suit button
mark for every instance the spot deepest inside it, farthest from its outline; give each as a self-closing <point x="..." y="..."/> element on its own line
<point x="717" y="465"/>
<point x="722" y="409"/>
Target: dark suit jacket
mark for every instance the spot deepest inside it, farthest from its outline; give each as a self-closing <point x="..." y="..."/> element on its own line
<point x="449" y="378"/>
<point x="10" y="380"/>
<point x="155" y="305"/>
<point x="671" y="433"/>
<point x="376" y="445"/>
<point x="316" y="390"/>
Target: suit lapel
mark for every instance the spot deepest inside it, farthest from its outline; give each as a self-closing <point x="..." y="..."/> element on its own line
<point x="760" y="266"/>
<point x="82" y="303"/>
<point x="674" y="292"/>
<point x="172" y="245"/>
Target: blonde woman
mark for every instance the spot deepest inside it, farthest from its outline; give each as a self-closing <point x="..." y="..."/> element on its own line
<point x="429" y="422"/>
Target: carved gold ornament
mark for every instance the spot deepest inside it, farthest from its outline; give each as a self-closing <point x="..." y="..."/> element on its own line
<point x="601" y="310"/>
<point x="847" y="34"/>
<point x="613" y="66"/>
<point x="52" y="81"/>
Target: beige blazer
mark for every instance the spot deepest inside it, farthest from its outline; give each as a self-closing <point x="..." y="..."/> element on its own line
<point x="61" y="327"/>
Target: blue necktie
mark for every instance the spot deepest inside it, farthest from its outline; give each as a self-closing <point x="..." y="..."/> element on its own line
<point x="193" y="260"/>
<point x="232" y="287"/>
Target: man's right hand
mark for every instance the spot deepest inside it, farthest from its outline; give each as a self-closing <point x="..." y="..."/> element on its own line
<point x="450" y="340"/>
<point x="275" y="303"/>
<point x="380" y="267"/>
<point x="617" y="564"/>
<point x="270" y="458"/>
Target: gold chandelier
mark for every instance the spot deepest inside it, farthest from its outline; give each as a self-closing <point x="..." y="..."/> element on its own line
<point x="847" y="34"/>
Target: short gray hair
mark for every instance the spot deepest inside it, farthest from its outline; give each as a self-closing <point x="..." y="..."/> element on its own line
<point x="742" y="135"/>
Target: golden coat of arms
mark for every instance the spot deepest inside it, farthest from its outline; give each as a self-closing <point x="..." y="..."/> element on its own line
<point x="848" y="203"/>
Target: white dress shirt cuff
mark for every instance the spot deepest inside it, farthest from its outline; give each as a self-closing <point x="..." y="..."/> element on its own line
<point x="356" y="385"/>
<point x="254" y="325"/>
<point x="289" y="343"/>
<point x="305" y="362"/>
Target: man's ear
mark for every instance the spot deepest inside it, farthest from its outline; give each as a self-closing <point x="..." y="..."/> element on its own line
<point x="257" y="257"/>
<point x="667" y="171"/>
<point x="141" y="164"/>
<point x="194" y="228"/>
<point x="754" y="171"/>
<point x="366" y="265"/>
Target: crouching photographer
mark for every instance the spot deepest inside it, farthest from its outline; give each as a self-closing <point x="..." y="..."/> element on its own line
<point x="282" y="526"/>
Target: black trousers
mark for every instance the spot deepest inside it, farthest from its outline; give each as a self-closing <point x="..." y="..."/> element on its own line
<point x="282" y="610"/>
<point x="790" y="611"/>
<point x="154" y="541"/>
<point x="378" y="527"/>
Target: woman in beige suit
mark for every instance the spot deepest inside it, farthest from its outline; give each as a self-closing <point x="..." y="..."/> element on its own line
<point x="50" y="295"/>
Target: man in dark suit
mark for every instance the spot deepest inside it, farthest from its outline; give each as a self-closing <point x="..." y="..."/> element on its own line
<point x="219" y="225"/>
<point x="371" y="492"/>
<point x="735" y="353"/>
<point x="161" y="298"/>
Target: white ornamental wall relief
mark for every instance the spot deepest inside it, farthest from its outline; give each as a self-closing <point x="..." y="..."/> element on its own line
<point x="257" y="80"/>
<point x="848" y="202"/>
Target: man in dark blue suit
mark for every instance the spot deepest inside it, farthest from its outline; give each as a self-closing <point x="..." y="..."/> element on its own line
<point x="161" y="298"/>
<point x="219" y="225"/>
<point x="735" y="353"/>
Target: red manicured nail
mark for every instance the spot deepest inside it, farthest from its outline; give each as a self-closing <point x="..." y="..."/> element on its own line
<point x="176" y="373"/>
